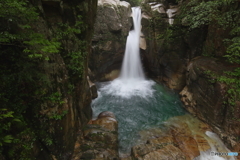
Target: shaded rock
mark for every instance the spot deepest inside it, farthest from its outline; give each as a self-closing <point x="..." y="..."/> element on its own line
<point x="93" y="89"/>
<point x="143" y="44"/>
<point x="106" y="114"/>
<point x="55" y="111"/>
<point x="199" y="97"/>
<point x="161" y="59"/>
<point x="111" y="75"/>
<point x="100" y="139"/>
<point x="111" y="28"/>
<point x="164" y="60"/>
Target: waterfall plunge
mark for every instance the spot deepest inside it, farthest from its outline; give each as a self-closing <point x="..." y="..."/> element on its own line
<point x="132" y="67"/>
<point x="131" y="81"/>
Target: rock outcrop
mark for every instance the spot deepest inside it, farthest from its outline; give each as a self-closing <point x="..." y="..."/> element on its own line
<point x="205" y="97"/>
<point x="168" y="47"/>
<point x="56" y="103"/>
<point x="182" y="137"/>
<point x="100" y="139"/>
<point x="170" y="57"/>
<point x="161" y="65"/>
<point x="111" y="28"/>
<point x="185" y="138"/>
<point x="76" y="110"/>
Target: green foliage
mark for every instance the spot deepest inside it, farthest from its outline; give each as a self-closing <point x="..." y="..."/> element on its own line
<point x="58" y="116"/>
<point x="6" y="120"/>
<point x="76" y="62"/>
<point x="55" y="98"/>
<point x="65" y="29"/>
<point x="231" y="79"/>
<point x="19" y="14"/>
<point x="48" y="141"/>
<point x="39" y="47"/>
<point x="223" y="14"/>
<point x="25" y="54"/>
<point x="218" y="12"/>
<point x="74" y="59"/>
<point x="17" y="11"/>
<point x="233" y="50"/>
<point x="23" y="145"/>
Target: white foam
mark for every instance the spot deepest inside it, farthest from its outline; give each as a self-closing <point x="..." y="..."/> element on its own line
<point x="132" y="81"/>
<point x="216" y="146"/>
<point x="127" y="88"/>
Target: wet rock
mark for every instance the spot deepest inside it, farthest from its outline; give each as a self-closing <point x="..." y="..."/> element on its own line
<point x="188" y="145"/>
<point x="106" y="114"/>
<point x="93" y="88"/>
<point x="159" y="148"/>
<point x="107" y="122"/>
<point x="183" y="138"/>
<point x="100" y="139"/>
<point x="169" y="152"/>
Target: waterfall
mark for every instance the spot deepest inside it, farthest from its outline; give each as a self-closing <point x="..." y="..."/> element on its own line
<point x="131" y="81"/>
<point x="132" y="68"/>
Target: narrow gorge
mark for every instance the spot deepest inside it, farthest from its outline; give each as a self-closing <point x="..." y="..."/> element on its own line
<point x="111" y="79"/>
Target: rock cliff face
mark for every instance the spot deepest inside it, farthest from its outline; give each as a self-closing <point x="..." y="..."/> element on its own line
<point x="63" y="132"/>
<point x="173" y="56"/>
<point x="169" y="48"/>
<point x="112" y="25"/>
<point x="206" y="98"/>
<point x="56" y="112"/>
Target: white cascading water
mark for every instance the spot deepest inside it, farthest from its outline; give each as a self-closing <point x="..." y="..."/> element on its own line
<point x="132" y="68"/>
<point x="131" y="81"/>
<point x="216" y="145"/>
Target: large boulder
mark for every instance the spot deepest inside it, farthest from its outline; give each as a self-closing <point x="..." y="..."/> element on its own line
<point x="111" y="28"/>
<point x="100" y="139"/>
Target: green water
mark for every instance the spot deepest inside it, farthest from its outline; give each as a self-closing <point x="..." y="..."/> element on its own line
<point x="138" y="113"/>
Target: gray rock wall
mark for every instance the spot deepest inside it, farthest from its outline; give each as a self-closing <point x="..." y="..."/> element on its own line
<point x="111" y="28"/>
